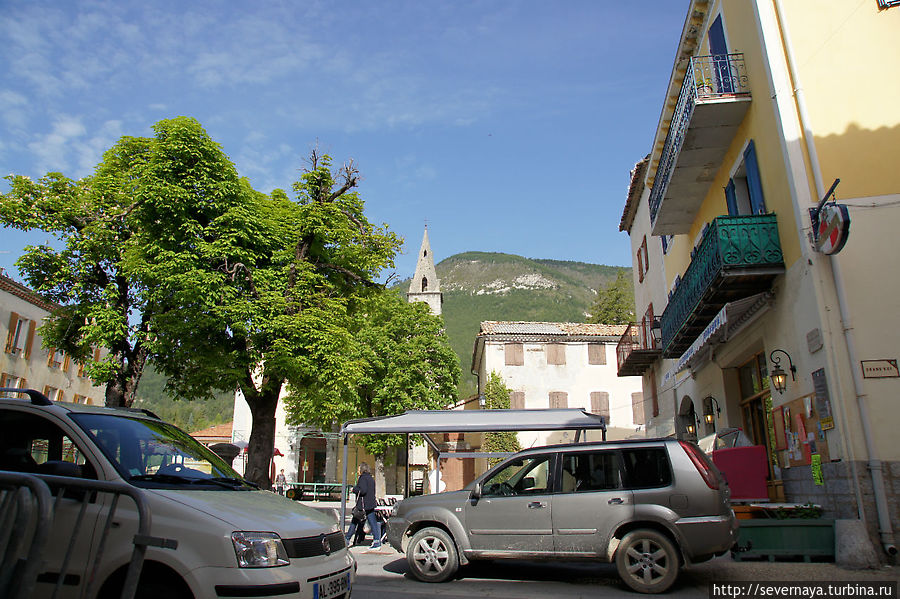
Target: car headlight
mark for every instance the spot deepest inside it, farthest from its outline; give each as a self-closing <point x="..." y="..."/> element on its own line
<point x="259" y="549"/>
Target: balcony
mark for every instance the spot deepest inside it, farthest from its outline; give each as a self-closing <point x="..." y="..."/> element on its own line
<point x="638" y="348"/>
<point x="714" y="98"/>
<point x="738" y="256"/>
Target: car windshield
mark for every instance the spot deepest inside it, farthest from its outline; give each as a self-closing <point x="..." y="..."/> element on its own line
<point x="150" y="453"/>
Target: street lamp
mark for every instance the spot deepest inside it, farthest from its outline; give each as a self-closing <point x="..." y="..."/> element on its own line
<point x="778" y="375"/>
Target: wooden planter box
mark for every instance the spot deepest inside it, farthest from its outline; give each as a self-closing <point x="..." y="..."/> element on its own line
<point x="791" y="537"/>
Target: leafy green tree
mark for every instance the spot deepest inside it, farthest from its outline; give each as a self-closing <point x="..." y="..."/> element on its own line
<point x="615" y="303"/>
<point x="496" y="397"/>
<point x="263" y="292"/>
<point x="99" y="220"/>
<point x="402" y="361"/>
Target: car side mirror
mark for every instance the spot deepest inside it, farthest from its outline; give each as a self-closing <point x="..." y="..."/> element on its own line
<point x="475" y="495"/>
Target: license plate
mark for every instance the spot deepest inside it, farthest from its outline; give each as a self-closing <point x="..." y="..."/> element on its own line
<point x="332" y="587"/>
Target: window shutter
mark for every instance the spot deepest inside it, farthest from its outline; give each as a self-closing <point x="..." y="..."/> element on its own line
<point x="556" y="354"/>
<point x="517" y="400"/>
<point x="50" y="355"/>
<point x="31" y="326"/>
<point x="637" y="407"/>
<point x="754" y="184"/>
<point x="731" y="199"/>
<point x="559" y="399"/>
<point x="515" y="354"/>
<point x="597" y="354"/>
<point x="67" y="361"/>
<point x="600" y="404"/>
<point x="11" y="336"/>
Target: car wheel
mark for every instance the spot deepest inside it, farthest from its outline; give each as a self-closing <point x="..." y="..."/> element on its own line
<point x="647" y="561"/>
<point x="432" y="556"/>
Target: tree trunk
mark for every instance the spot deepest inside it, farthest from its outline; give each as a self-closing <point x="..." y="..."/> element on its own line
<point x="262" y="433"/>
<point x="121" y="390"/>
<point x="379" y="476"/>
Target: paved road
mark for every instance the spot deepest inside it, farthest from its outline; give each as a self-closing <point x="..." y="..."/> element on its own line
<point x="382" y="575"/>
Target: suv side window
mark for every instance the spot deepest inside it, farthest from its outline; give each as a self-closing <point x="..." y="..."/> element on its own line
<point x="32" y="444"/>
<point x="591" y="471"/>
<point x="524" y="476"/>
<point x="647" y="467"/>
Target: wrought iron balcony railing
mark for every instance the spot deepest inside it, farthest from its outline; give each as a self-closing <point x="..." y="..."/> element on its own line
<point x="638" y="347"/>
<point x="707" y="78"/>
<point x="737" y="257"/>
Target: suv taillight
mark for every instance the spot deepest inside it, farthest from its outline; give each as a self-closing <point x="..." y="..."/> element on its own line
<point x="701" y="463"/>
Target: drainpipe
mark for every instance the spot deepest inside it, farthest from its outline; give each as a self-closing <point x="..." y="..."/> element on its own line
<point x="874" y="463"/>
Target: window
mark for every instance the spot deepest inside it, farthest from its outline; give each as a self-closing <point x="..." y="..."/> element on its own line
<point x="515" y="354"/>
<point x="642" y="260"/>
<point x="517" y="400"/>
<point x="600" y="404"/>
<point x="666" y="241"/>
<point x="424" y="284"/>
<point x="647" y="467"/>
<point x="883" y="4"/>
<point x="53" y="393"/>
<point x="523" y="476"/>
<point x="21" y="336"/>
<point x="556" y="354"/>
<point x="637" y="407"/>
<point x="591" y="471"/>
<point x="597" y="354"/>
<point x="28" y="442"/>
<point x="743" y="193"/>
<point x="84" y="399"/>
<point x="559" y="399"/>
<point x="648" y="341"/>
<point x="10" y="380"/>
<point x="58" y="359"/>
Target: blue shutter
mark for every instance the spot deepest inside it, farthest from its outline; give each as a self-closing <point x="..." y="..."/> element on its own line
<point x="754" y="185"/>
<point x="730" y="199"/>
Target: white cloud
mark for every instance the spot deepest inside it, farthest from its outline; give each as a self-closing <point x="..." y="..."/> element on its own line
<point x="51" y="150"/>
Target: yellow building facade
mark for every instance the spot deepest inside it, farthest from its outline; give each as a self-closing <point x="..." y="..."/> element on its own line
<point x="742" y="271"/>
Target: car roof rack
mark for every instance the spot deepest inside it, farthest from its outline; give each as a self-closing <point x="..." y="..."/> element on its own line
<point x="37" y="398"/>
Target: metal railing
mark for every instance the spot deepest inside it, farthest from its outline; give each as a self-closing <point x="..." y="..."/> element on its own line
<point x="707" y="77"/>
<point x="25" y="500"/>
<point x="637" y="336"/>
<point x="730" y="242"/>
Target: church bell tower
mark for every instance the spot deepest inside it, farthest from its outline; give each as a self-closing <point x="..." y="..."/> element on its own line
<point x="425" y="286"/>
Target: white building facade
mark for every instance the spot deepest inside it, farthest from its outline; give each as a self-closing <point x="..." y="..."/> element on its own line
<point x="561" y="365"/>
<point x="24" y="363"/>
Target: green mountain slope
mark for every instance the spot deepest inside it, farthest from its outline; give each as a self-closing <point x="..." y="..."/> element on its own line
<point x="480" y="286"/>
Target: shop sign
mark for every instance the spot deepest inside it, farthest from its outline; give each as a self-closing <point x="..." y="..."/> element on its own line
<point x="832" y="229"/>
<point x="880" y="369"/>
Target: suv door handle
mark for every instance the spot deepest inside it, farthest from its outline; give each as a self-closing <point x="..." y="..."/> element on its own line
<point x="616" y="501"/>
<point x="536" y="505"/>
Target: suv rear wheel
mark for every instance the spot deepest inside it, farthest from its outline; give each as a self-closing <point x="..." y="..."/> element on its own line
<point x="431" y="555"/>
<point x="647" y="561"/>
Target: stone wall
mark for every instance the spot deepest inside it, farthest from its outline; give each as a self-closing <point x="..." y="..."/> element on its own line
<point x="838" y="495"/>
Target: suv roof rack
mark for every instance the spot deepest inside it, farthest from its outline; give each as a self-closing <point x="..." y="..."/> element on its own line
<point x="37" y="398"/>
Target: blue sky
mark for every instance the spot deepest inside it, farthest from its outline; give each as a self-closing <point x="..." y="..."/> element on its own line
<point x="510" y="126"/>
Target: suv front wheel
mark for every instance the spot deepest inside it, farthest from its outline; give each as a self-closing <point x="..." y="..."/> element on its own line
<point x="647" y="561"/>
<point x="431" y="555"/>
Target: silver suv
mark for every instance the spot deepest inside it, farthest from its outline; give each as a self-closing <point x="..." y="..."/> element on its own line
<point x="649" y="505"/>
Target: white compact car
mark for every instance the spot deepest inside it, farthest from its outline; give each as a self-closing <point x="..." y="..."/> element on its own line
<point x="212" y="534"/>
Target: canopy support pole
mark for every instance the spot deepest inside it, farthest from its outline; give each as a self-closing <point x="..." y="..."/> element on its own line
<point x="344" y="484"/>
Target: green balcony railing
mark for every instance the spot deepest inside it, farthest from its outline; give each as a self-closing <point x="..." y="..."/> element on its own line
<point x="738" y="256"/>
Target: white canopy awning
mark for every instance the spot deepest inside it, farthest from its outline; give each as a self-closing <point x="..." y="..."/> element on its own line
<point x="477" y="421"/>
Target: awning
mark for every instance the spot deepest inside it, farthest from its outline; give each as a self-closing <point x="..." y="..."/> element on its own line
<point x="467" y="421"/>
<point x="733" y="317"/>
<point x="477" y="421"/>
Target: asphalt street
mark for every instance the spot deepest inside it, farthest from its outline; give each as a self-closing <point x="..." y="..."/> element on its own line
<point x="382" y="575"/>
